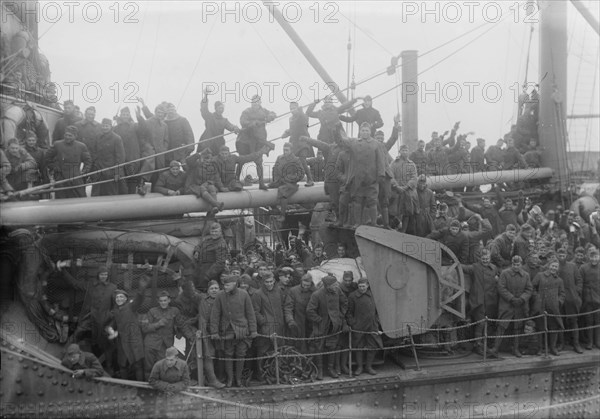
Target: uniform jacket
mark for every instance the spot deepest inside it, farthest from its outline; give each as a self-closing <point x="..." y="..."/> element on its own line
<point x="268" y="307"/>
<point x="88" y="132"/>
<point x="327" y="309"/>
<point x="215" y="125"/>
<point x="232" y="315"/>
<point x="573" y="285"/>
<point x="167" y="181"/>
<point x="511" y="285"/>
<point x="484" y="287"/>
<point x="158" y="336"/>
<point x="88" y="363"/>
<point x="124" y="319"/>
<point x="180" y="134"/>
<point x="165" y="378"/>
<point x="362" y="315"/>
<point x="590" y="293"/>
<point x="548" y="295"/>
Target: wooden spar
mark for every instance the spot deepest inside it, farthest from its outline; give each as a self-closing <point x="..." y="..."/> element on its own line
<point x="589" y="17"/>
<point x="335" y="88"/>
<point x="410" y="99"/>
<point x="127" y="207"/>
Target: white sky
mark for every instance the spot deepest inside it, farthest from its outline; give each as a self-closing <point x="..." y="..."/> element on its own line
<point x="166" y="50"/>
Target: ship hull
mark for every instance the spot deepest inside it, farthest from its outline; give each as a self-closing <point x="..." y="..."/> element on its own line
<point x="564" y="386"/>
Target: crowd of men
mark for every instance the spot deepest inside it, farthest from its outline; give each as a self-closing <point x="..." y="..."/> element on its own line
<point x="544" y="263"/>
<point x="120" y="155"/>
<point x="520" y="261"/>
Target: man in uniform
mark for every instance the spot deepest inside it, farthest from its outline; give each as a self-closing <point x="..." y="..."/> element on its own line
<point x="253" y="135"/>
<point x="216" y="124"/>
<point x="299" y="128"/>
<point x="89" y="129"/>
<point x="171" y="182"/>
<point x="268" y="308"/>
<point x="287" y="173"/>
<point x="64" y="160"/>
<point x="83" y="364"/>
<point x="326" y="309"/>
<point x="367" y="168"/>
<point x="170" y="374"/>
<point x="515" y="290"/>
<point x="210" y="255"/>
<point x="233" y="321"/>
<point x="483" y="297"/>
<point x="362" y="317"/>
<point x="107" y="151"/>
<point x="69" y="117"/>
<point x="160" y="328"/>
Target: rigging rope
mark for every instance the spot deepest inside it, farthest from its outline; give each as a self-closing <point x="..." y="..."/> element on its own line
<point x="197" y="61"/>
<point x="154" y="51"/>
<point x="41" y="187"/>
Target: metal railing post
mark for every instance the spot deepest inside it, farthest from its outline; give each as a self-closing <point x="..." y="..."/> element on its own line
<point x="485" y="337"/>
<point x="274" y="337"/>
<point x="350" y="353"/>
<point x="545" y="334"/>
<point x="414" y="350"/>
<point x="200" y="357"/>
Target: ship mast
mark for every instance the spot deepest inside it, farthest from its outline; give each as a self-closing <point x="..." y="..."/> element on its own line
<point x="553" y="86"/>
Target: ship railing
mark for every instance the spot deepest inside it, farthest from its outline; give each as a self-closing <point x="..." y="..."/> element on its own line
<point x="413" y="346"/>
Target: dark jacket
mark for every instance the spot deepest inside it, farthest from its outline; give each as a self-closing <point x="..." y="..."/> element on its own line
<point x="573" y="285"/>
<point x="548" y="295"/>
<point x="590" y="276"/>
<point x="232" y="315"/>
<point x="459" y="244"/>
<point x="168" y="182"/>
<point x="515" y="290"/>
<point x="215" y="125"/>
<point x="88" y="363"/>
<point x="484" y="288"/>
<point x="362" y="316"/>
<point x="64" y="160"/>
<point x="180" y="134"/>
<point x="157" y="335"/>
<point x="172" y="379"/>
<point x="295" y="309"/>
<point x="268" y="307"/>
<point x="124" y="319"/>
<point x="327" y="309"/>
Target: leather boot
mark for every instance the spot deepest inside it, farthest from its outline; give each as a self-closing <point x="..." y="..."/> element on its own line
<point x="576" y="346"/>
<point x="344" y="363"/>
<point x="493" y="353"/>
<point x="516" y="351"/>
<point x="260" y="372"/>
<point x="216" y="205"/>
<point x="209" y="371"/>
<point x="369" y="367"/>
<point x="385" y="217"/>
<point x="337" y="364"/>
<point x="372" y="214"/>
<point x="560" y="341"/>
<point x="343" y="217"/>
<point x="359" y="363"/>
<point x="330" y="368"/>
<point x="219" y="367"/>
<point x="358" y="213"/>
<point x="589" y="334"/>
<point x="319" y="364"/>
<point x="552" y="338"/>
<point x="139" y="370"/>
<point x="229" y="372"/>
<point x="239" y="369"/>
